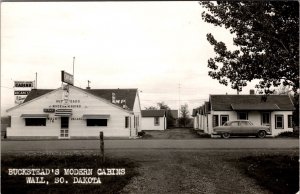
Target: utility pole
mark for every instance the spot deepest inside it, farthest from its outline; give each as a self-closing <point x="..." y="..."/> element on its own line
<point x="179" y="99"/>
<point x="35" y="80"/>
<point x="73" y="71"/>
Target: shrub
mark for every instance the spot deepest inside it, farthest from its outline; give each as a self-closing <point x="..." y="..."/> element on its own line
<point x="141" y="133"/>
<point x="288" y="134"/>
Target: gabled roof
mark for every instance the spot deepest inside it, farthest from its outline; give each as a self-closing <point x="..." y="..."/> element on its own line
<point x="250" y="102"/>
<point x="34" y="93"/>
<point x="120" y="95"/>
<point x="153" y="113"/>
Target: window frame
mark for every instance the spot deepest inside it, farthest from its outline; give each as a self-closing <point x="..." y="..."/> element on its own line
<point x="127" y="122"/>
<point x="276" y="121"/>
<point x="238" y="115"/>
<point x="30" y="124"/>
<point x="215" y="120"/>
<point x="96" y="124"/>
<point x="156" y="123"/>
<point x="222" y="116"/>
<point x="290" y="121"/>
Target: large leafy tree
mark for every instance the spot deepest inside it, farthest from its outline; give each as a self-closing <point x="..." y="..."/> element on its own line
<point x="266" y="34"/>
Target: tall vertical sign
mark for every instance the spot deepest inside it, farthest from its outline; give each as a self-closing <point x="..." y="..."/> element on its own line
<point x="21" y="90"/>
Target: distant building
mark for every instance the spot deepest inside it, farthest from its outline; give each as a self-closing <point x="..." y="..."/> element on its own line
<point x="72" y="112"/>
<point x="154" y="119"/>
<point x="274" y="111"/>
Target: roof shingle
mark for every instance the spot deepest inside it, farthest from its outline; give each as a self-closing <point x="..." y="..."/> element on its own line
<point x="224" y="102"/>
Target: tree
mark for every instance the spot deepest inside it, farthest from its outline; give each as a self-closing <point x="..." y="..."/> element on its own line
<point x="266" y="34"/>
<point x="151" y="108"/>
<point x="170" y="118"/>
<point x="184" y="119"/>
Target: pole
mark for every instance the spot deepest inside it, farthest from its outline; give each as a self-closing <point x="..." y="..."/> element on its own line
<point x="35" y="80"/>
<point x="102" y="147"/>
<point x="73" y="71"/>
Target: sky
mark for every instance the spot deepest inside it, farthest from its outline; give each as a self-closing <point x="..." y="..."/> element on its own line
<point x="158" y="47"/>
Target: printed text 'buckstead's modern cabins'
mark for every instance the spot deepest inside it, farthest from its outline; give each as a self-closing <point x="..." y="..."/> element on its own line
<point x="72" y="112"/>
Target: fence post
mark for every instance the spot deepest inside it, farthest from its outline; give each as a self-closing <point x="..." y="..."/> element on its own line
<point x="102" y="147"/>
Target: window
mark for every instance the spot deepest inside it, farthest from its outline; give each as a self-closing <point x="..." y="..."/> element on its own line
<point x="290" y="121"/>
<point x="234" y="124"/>
<point x="156" y="121"/>
<point x="35" y="121"/>
<point x="244" y="123"/>
<point x="126" y="122"/>
<point x="224" y="119"/>
<point x="265" y="118"/>
<point x="96" y="122"/>
<point x="278" y="121"/>
<point x="215" y="120"/>
<point x="242" y="115"/>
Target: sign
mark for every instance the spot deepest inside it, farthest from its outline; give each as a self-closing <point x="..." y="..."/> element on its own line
<point x="19" y="99"/>
<point x="22" y="89"/>
<point x="67" y="78"/>
<point x="49" y="110"/>
<point x="24" y="84"/>
<point x="21" y="92"/>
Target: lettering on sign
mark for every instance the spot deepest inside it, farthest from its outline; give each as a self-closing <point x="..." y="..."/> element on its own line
<point x="24" y="84"/>
<point x="21" y="92"/>
<point x="67" y="78"/>
<point x="49" y="110"/>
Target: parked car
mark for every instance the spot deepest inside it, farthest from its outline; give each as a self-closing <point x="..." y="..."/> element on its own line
<point x="241" y="128"/>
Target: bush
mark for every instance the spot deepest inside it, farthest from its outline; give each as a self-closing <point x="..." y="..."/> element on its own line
<point x="141" y="133"/>
<point x="288" y="134"/>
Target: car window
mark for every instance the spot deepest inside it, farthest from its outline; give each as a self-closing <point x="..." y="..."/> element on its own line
<point x="234" y="124"/>
<point x="226" y="124"/>
<point x="244" y="123"/>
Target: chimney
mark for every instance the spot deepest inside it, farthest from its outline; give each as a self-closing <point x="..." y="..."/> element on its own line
<point x="88" y="87"/>
<point x="113" y="98"/>
<point x="252" y="92"/>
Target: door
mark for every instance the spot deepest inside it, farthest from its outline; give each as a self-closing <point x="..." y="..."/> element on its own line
<point x="265" y="118"/>
<point x="64" y="127"/>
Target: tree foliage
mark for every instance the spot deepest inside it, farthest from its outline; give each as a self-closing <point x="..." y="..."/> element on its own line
<point x="184" y="112"/>
<point x="266" y="34"/>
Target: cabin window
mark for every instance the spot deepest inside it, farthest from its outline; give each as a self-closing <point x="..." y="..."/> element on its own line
<point x="35" y="121"/>
<point x="96" y="122"/>
<point x="156" y="121"/>
<point x="279" y="122"/>
<point x="215" y="120"/>
<point x="265" y="120"/>
<point x="242" y="115"/>
<point x="126" y="122"/>
<point x="290" y="121"/>
<point x="224" y="119"/>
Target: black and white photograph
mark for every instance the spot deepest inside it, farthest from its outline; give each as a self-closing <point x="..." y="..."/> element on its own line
<point x="148" y="97"/>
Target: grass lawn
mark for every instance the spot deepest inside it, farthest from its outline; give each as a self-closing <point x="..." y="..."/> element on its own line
<point x="277" y="173"/>
<point x="109" y="183"/>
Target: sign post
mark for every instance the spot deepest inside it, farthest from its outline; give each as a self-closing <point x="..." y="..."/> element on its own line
<point x="102" y="147"/>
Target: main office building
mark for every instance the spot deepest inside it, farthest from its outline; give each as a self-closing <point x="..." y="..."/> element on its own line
<point x="73" y="112"/>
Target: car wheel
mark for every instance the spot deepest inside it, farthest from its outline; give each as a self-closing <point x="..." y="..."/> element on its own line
<point x="261" y="134"/>
<point x="225" y="135"/>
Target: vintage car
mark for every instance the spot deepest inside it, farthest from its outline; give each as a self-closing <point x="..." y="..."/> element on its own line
<point x="241" y="128"/>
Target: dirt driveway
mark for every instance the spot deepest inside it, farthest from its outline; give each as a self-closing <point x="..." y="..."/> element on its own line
<point x="176" y="133"/>
<point x="190" y="171"/>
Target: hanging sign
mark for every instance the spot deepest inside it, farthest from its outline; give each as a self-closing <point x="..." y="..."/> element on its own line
<point x="21" y="92"/>
<point x="67" y="78"/>
<point x="24" y="84"/>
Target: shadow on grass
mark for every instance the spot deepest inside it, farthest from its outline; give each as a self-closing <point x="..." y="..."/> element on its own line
<point x="277" y="173"/>
<point x="109" y="183"/>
